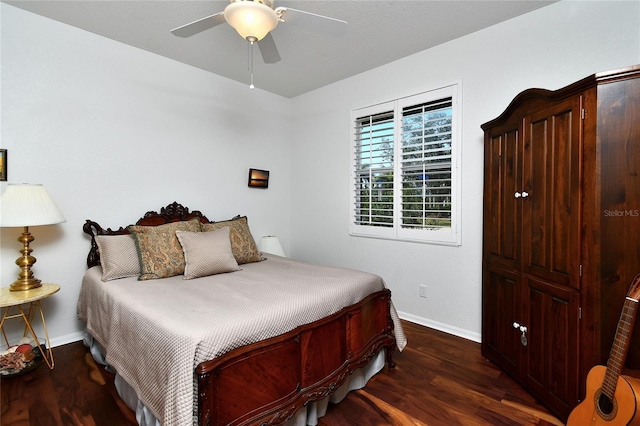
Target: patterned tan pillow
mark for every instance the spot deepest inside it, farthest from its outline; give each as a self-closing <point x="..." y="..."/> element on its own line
<point x="242" y="243"/>
<point x="118" y="256"/>
<point x="207" y="253"/>
<point x="160" y="251"/>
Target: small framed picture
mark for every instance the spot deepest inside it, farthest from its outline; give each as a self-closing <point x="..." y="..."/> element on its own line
<point x="258" y="178"/>
<point x="3" y="165"/>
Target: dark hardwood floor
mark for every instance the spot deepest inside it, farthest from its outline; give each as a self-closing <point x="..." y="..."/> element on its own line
<point x="439" y="380"/>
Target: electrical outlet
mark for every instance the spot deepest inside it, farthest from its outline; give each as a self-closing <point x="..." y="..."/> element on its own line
<point x="423" y="291"/>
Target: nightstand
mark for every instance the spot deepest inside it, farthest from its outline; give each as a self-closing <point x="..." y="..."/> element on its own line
<point x="15" y="301"/>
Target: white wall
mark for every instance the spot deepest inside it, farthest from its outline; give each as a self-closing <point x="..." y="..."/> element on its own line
<point x="113" y="131"/>
<point x="548" y="48"/>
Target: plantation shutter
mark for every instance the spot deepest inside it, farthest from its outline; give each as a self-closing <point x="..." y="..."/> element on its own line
<point x="426" y="165"/>
<point x="405" y="182"/>
<point x="374" y="169"/>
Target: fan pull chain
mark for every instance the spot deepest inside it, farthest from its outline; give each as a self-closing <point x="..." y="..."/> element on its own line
<point x="251" y="86"/>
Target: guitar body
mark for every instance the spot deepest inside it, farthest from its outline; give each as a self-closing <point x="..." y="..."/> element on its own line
<point x="626" y="406"/>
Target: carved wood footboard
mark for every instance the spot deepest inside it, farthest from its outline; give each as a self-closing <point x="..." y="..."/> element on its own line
<point x="265" y="383"/>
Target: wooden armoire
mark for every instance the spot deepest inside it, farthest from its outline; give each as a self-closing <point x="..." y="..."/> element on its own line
<point x="561" y="240"/>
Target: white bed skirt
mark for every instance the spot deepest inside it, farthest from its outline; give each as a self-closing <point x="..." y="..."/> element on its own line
<point x="305" y="416"/>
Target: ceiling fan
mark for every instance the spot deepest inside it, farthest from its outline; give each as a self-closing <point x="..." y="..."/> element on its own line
<point x="254" y="20"/>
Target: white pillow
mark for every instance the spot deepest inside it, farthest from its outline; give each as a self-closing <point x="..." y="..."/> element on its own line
<point x="207" y="253"/>
<point x="118" y="256"/>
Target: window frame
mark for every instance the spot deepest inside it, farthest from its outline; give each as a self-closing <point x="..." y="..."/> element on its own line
<point x="451" y="236"/>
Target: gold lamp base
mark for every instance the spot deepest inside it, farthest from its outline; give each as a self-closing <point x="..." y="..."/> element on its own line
<point x="22" y="285"/>
<point x="26" y="280"/>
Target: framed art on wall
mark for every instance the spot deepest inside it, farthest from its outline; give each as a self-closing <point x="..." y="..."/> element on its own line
<point x="3" y="165"/>
<point x="258" y="178"/>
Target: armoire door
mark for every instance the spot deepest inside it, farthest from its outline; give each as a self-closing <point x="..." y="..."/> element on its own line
<point x="551" y="193"/>
<point x="551" y="355"/>
<point x="503" y="174"/>
<point x="501" y="300"/>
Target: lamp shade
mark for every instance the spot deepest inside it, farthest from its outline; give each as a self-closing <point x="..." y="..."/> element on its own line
<point x="271" y="244"/>
<point x="252" y="20"/>
<point x="28" y="205"/>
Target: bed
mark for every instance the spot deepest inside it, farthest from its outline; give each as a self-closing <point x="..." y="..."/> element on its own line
<point x="269" y="341"/>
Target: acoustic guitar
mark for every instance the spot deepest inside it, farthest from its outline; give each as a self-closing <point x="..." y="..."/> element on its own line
<point x="613" y="399"/>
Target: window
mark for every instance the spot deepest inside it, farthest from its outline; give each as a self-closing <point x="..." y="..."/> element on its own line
<point x="405" y="168"/>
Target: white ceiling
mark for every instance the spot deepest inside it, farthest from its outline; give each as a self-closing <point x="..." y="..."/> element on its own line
<point x="378" y="32"/>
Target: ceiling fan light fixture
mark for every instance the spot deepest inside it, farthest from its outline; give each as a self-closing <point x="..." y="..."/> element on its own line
<point x="251" y="19"/>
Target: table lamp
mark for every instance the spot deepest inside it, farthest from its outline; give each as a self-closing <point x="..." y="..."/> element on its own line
<point x="25" y="205"/>
<point x="271" y="244"/>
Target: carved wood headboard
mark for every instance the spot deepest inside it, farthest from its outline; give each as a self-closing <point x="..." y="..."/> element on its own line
<point x="174" y="212"/>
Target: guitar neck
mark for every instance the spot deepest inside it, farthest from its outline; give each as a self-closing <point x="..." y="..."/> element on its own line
<point x="620" y="347"/>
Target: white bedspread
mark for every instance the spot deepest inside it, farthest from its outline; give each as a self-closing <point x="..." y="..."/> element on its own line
<point x="156" y="332"/>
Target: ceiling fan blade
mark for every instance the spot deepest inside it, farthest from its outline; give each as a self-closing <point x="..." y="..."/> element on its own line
<point x="269" y="50"/>
<point x="323" y="24"/>
<point x="200" y="25"/>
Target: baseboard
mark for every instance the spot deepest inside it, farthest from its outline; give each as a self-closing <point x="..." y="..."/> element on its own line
<point x="446" y="328"/>
<point x="67" y="338"/>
